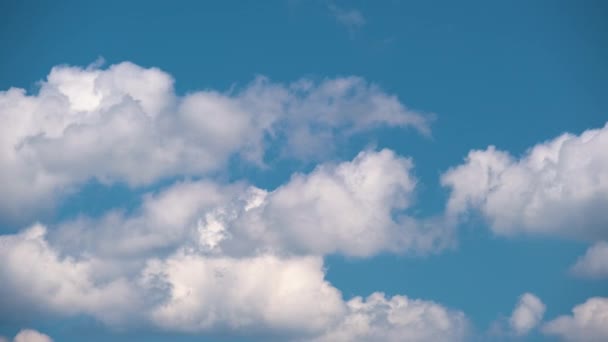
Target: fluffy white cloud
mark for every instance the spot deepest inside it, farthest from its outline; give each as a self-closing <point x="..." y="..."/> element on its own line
<point x="527" y="314"/>
<point x="589" y="322"/>
<point x="126" y="124"/>
<point x="207" y="257"/>
<point x="356" y="208"/>
<point x="594" y="264"/>
<point x="558" y="187"/>
<point x="58" y="283"/>
<point x="280" y="294"/>
<point x="29" y="335"/>
<point x="192" y="291"/>
<point x="397" y="319"/>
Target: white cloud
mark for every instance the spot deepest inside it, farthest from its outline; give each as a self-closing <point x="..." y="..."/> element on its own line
<point x="206" y="257"/>
<point x="558" y="187"/>
<point x="126" y="124"/>
<point x="594" y="264"/>
<point x="191" y="291"/>
<point x="589" y="322"/>
<point x="262" y="292"/>
<point x="57" y="283"/>
<point x="527" y="314"/>
<point x="29" y="335"/>
<point x="356" y="208"/>
<point x="397" y="319"/>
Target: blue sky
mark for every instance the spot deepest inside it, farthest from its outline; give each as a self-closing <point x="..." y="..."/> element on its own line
<point x="146" y="130"/>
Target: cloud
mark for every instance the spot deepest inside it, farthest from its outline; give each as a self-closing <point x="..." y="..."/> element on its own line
<point x="352" y="19"/>
<point x="399" y="318"/>
<point x="207" y="257"/>
<point x="589" y="322"/>
<point x="29" y="335"/>
<point x="527" y="314"/>
<point x="192" y="291"/>
<point x="559" y="187"/>
<point x="305" y="216"/>
<point x="126" y="124"/>
<point x="247" y="294"/>
<point x="57" y="283"/>
<point x="594" y="264"/>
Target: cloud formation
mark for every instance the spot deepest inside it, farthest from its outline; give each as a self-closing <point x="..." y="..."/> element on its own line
<point x="559" y="187"/>
<point x="191" y="291"/>
<point x="399" y="318"/>
<point x="588" y="322"/>
<point x="355" y="208"/>
<point x="527" y="314"/>
<point x="28" y="335"/>
<point x="594" y="264"/>
<point x="126" y="124"/>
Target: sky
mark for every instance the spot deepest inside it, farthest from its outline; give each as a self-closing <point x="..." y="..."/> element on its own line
<point x="303" y="171"/>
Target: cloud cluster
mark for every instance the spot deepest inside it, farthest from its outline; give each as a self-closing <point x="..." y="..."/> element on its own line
<point x="126" y="124"/>
<point x="191" y="291"/>
<point x="588" y="322"/>
<point x="201" y="256"/>
<point x="559" y="187"/>
<point x="399" y="318"/>
<point x="356" y="208"/>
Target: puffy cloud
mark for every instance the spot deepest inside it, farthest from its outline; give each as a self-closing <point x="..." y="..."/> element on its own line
<point x="280" y="294"/>
<point x="29" y="335"/>
<point x="589" y="322"/>
<point x="558" y="187"/>
<point x="203" y="257"/>
<point x="527" y="314"/>
<point x="356" y="208"/>
<point x="397" y="319"/>
<point x="206" y="257"/>
<point x="594" y="264"/>
<point x="58" y="283"/>
<point x="192" y="291"/>
<point x="126" y="124"/>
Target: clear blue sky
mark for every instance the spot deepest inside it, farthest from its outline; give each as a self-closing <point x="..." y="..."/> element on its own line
<point x="511" y="74"/>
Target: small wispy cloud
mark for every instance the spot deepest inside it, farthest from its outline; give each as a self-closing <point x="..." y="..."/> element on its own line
<point x="352" y="19"/>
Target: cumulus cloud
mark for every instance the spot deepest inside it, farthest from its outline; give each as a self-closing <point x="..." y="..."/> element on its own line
<point x="58" y="283"/>
<point x="558" y="187"/>
<point x="192" y="291"/>
<point x="594" y="264"/>
<point x="126" y="124"/>
<point x="29" y="335"/>
<point x="201" y="256"/>
<point x="527" y="314"/>
<point x="288" y="294"/>
<point x="356" y="208"/>
<point x="399" y="318"/>
<point x="589" y="322"/>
